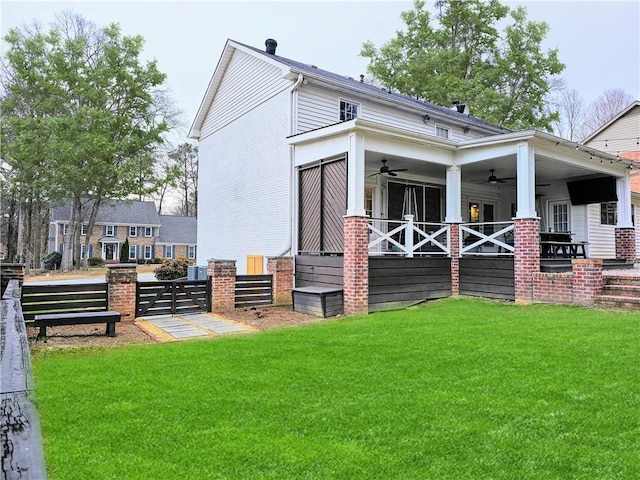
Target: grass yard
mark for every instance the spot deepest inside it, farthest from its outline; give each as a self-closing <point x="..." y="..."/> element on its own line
<point x="456" y="389"/>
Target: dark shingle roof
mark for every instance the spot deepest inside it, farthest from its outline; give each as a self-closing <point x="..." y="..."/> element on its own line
<point x="368" y="90"/>
<point x="119" y="213"/>
<point x="178" y="230"/>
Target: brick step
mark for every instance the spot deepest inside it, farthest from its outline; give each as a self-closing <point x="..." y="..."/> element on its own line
<point x="622" y="280"/>
<point x="617" y="301"/>
<point x="621" y="290"/>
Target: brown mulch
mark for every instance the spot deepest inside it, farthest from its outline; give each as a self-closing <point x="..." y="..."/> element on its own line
<point x="129" y="333"/>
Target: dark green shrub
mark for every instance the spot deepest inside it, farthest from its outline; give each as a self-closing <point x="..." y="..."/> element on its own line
<point x="172" y="269"/>
<point x="51" y="261"/>
<point x="95" y="262"/>
<point x="124" y="251"/>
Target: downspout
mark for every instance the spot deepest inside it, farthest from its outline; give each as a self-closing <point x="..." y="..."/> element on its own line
<point x="293" y="90"/>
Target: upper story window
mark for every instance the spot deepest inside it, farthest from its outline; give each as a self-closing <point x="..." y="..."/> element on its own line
<point x="609" y="213"/>
<point x="148" y="231"/>
<point x="348" y="110"/>
<point x="110" y="230"/>
<point x="63" y="228"/>
<point x="133" y="231"/>
<point x="191" y="252"/>
<point x="83" y="229"/>
<point x="442" y="132"/>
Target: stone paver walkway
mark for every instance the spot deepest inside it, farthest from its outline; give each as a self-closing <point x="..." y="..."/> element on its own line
<point x="189" y="325"/>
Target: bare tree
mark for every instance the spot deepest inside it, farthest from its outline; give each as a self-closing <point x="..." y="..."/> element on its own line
<point x="604" y="108"/>
<point x="570" y="104"/>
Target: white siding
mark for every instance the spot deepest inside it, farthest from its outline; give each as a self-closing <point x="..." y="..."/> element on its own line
<point x="621" y="136"/>
<point x="318" y="107"/>
<point x="247" y="83"/>
<point x="602" y="238"/>
<point x="636" y="202"/>
<point x="243" y="190"/>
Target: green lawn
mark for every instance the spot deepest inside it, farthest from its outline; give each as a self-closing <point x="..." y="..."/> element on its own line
<point x="457" y="389"/>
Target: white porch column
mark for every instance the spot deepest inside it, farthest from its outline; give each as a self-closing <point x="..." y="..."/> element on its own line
<point x="623" y="189"/>
<point x="526" y="181"/>
<point x="454" y="193"/>
<point x="355" y="175"/>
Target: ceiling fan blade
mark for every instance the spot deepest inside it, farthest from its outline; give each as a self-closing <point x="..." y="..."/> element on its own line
<point x="391" y="173"/>
<point x="399" y="170"/>
<point x="374" y="174"/>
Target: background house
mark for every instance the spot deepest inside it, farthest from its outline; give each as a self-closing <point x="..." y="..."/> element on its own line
<point x="149" y="235"/>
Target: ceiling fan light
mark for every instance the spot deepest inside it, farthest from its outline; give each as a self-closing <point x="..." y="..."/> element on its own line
<point x="493" y="181"/>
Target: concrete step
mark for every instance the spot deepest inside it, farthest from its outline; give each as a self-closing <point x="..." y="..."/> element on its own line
<point x="622" y="280"/>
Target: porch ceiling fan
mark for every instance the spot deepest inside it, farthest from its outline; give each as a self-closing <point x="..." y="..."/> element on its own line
<point x="492" y="180"/>
<point x="385" y="169"/>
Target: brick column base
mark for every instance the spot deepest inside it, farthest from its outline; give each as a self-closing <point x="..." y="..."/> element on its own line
<point x="626" y="243"/>
<point x="356" y="265"/>
<point x="10" y="271"/>
<point x="223" y="284"/>
<point x="121" y="281"/>
<point x="282" y="270"/>
<point x="526" y="259"/>
<point x="454" y="253"/>
<point x="587" y="280"/>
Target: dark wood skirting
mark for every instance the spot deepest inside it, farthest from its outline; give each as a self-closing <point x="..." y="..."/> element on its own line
<point x="319" y="271"/>
<point x="400" y="282"/>
<point x="487" y="277"/>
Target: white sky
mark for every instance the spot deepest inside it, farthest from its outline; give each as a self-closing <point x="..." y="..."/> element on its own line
<point x="598" y="41"/>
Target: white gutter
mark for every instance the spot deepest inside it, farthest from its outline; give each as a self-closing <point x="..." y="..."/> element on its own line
<point x="292" y="117"/>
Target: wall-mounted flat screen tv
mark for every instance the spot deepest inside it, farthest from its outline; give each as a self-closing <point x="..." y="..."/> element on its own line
<point x="595" y="190"/>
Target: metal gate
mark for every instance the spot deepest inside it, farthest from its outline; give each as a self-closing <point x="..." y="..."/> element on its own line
<point x="172" y="297"/>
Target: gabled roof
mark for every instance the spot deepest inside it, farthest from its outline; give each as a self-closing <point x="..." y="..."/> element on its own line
<point x="178" y="230"/>
<point x="293" y="67"/>
<point x="613" y="120"/>
<point x="131" y="212"/>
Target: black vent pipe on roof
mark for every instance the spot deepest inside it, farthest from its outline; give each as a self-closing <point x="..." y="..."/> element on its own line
<point x="271" y="45"/>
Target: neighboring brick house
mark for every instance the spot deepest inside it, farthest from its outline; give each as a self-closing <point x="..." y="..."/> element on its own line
<point x="150" y="235"/>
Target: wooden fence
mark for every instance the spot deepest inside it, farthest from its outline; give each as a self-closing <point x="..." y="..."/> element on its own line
<point x="20" y="435"/>
<point x="87" y="297"/>
<point x="254" y="290"/>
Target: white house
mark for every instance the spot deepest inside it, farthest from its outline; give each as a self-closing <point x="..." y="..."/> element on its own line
<point x="290" y="152"/>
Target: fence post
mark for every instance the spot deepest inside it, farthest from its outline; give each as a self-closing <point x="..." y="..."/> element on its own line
<point x="11" y="271"/>
<point x="121" y="286"/>
<point x="223" y="284"/>
<point x="408" y="236"/>
<point x="282" y="270"/>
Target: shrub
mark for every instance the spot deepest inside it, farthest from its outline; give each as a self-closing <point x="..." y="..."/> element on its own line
<point x="51" y="261"/>
<point x="95" y="262"/>
<point x="172" y="269"/>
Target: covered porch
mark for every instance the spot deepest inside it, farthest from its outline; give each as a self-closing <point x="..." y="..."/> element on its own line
<point x="483" y="202"/>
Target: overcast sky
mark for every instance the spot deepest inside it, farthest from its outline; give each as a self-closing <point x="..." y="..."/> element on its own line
<point x="598" y="41"/>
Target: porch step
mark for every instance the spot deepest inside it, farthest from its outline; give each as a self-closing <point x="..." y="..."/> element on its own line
<point x="620" y="291"/>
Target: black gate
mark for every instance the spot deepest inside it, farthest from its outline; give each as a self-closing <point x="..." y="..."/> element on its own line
<point x="172" y="297"/>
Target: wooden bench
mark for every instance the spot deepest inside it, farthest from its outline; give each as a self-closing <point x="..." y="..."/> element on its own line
<point x="78" y="304"/>
<point x="320" y="301"/>
<point x="45" y="320"/>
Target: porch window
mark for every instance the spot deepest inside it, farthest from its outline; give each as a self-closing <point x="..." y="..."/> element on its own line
<point x="421" y="201"/>
<point x="559" y="216"/>
<point x="348" y="110"/>
<point x="442" y="132"/>
<point x="609" y="213"/>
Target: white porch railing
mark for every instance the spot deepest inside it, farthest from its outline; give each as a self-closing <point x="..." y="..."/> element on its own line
<point x="488" y="238"/>
<point x="407" y="238"/>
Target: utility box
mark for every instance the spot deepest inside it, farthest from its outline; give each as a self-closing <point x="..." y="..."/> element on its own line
<point x="195" y="272"/>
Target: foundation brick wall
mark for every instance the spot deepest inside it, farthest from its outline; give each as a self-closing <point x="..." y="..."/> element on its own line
<point x="626" y="243"/>
<point x="454" y="253"/>
<point x="526" y="257"/>
<point x="282" y="270"/>
<point x="121" y="281"/>
<point x="356" y="265"/>
<point x="223" y="284"/>
<point x="578" y="287"/>
<point x="553" y="287"/>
